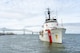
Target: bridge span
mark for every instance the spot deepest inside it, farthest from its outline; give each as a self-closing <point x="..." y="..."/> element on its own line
<point x="4" y="30"/>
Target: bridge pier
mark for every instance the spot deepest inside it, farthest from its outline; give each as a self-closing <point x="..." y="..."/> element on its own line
<point x="23" y="31"/>
<point x="3" y="32"/>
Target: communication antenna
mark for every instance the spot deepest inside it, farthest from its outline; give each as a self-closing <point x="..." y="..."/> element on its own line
<point x="61" y="22"/>
<point x="48" y="12"/>
<point x="56" y="13"/>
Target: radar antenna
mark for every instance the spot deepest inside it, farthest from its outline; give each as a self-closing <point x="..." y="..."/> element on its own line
<point x="48" y="12"/>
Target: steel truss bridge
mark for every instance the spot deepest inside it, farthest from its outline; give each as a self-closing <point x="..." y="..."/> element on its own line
<point x="23" y="30"/>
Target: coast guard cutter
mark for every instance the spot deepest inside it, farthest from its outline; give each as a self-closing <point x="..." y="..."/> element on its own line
<point x="51" y="31"/>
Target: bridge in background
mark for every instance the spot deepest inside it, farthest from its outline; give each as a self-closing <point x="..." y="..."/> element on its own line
<point x="4" y="30"/>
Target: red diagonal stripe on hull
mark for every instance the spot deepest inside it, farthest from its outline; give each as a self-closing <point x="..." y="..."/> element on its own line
<point x="49" y="35"/>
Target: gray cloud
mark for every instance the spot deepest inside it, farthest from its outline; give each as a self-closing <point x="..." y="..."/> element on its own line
<point x="24" y="10"/>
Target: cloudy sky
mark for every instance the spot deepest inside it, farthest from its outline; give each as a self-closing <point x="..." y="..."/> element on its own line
<point x="21" y="13"/>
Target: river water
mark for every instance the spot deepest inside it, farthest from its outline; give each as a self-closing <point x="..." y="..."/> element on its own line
<point x="31" y="44"/>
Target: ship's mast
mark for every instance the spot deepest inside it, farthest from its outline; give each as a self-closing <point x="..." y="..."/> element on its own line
<point x="49" y="13"/>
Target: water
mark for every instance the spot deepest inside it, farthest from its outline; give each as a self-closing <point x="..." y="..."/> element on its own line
<point x="31" y="44"/>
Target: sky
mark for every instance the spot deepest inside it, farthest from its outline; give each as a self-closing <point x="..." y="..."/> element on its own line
<point x="23" y="13"/>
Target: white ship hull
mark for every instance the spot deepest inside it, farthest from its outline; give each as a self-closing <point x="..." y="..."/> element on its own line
<point x="56" y="35"/>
